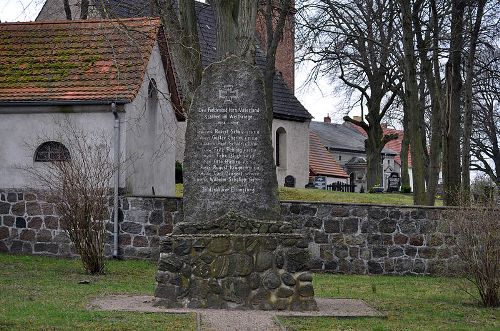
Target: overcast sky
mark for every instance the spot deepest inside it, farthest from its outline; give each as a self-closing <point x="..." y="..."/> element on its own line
<point x="319" y="102"/>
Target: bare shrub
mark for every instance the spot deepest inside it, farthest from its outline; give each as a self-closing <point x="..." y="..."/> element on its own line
<point x="79" y="187"/>
<point x="477" y="234"/>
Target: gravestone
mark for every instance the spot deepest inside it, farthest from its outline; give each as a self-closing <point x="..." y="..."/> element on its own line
<point x="289" y="181"/>
<point x="232" y="249"/>
<point x="393" y="182"/>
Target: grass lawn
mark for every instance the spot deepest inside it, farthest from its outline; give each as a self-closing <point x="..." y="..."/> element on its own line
<point x="410" y="303"/>
<point x="301" y="194"/>
<point x="43" y="293"/>
<point x="40" y="293"/>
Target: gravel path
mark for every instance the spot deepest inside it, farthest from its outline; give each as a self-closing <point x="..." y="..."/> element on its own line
<point x="245" y="320"/>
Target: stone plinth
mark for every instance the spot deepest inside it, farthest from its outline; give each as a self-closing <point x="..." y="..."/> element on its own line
<point x="237" y="271"/>
<point x="232" y="249"/>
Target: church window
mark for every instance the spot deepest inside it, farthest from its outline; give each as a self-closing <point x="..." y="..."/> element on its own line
<point x="281" y="148"/>
<point x="52" y="151"/>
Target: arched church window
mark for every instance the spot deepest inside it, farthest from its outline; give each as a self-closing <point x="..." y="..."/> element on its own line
<point x="281" y="147"/>
<point x="52" y="151"/>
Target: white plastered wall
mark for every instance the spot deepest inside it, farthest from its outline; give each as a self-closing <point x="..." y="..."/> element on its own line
<point x="22" y="130"/>
<point x="151" y="131"/>
<point x="297" y="151"/>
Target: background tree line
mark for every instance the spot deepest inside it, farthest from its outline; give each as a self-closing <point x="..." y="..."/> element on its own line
<point x="432" y="61"/>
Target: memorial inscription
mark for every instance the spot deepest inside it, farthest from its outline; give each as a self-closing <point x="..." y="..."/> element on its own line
<point x="228" y="146"/>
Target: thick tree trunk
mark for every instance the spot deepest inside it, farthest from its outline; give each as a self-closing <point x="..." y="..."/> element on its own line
<point x="181" y="32"/>
<point x="84" y="9"/>
<point x="412" y="106"/>
<point x="274" y="33"/>
<point x="451" y="143"/>
<point x="466" y="153"/>
<point x="434" y="83"/>
<point x="235" y="28"/>
<point x="67" y="9"/>
<point x="373" y="146"/>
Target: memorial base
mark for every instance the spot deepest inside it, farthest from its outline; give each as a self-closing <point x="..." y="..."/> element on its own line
<point x="235" y="271"/>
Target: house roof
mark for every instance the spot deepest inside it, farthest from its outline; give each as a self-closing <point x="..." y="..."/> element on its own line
<point x="394" y="145"/>
<point x="321" y="161"/>
<point x="89" y="60"/>
<point x="285" y="104"/>
<point x="340" y="137"/>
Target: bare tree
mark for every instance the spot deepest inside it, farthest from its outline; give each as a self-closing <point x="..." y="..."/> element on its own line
<point x="451" y="134"/>
<point x="486" y="104"/>
<point x="353" y="42"/>
<point x="79" y="180"/>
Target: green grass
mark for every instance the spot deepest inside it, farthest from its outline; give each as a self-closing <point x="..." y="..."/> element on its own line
<point x="286" y="193"/>
<point x="410" y="303"/>
<point x="40" y="293"/>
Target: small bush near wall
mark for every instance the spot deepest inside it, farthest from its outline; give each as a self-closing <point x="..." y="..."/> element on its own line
<point x="477" y="236"/>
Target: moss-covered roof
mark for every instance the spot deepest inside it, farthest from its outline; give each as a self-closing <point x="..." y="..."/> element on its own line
<point x="102" y="60"/>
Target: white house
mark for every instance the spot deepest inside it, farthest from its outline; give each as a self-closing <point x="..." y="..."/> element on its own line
<point x="75" y="71"/>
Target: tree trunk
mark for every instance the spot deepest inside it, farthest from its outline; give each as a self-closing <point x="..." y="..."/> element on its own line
<point x="235" y="28"/>
<point x="84" y="9"/>
<point x="181" y="32"/>
<point x="67" y="9"/>
<point x="466" y="154"/>
<point x="434" y="83"/>
<point x="412" y="106"/>
<point x="373" y="148"/>
<point x="451" y="143"/>
<point x="405" y="177"/>
<point x="274" y="33"/>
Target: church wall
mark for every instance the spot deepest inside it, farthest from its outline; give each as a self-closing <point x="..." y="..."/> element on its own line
<point x="297" y="151"/>
<point x="22" y="131"/>
<point x="151" y="129"/>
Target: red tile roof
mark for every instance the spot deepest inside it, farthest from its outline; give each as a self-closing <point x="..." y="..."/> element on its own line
<point x="394" y="145"/>
<point x="321" y="161"/>
<point x="101" y="60"/>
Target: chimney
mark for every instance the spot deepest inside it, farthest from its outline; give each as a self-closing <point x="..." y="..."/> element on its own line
<point x="327" y="119"/>
<point x="357" y="118"/>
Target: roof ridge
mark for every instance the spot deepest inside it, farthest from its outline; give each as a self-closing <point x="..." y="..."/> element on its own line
<point x="80" y="21"/>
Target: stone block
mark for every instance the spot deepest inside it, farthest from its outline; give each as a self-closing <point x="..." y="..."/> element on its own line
<point x="44" y="236"/>
<point x="8" y="220"/>
<point x="339" y="211"/>
<point x="20" y="223"/>
<point x="332" y="225"/>
<point x="156" y="217"/>
<point x="350" y="225"/>
<point x="416" y="240"/>
<point x="4" y="208"/>
<point x="131" y="227"/>
<point x="4" y="232"/>
<point x="18" y="209"/>
<point x="427" y="252"/>
<point x="33" y="208"/>
<point x="377" y="213"/>
<point x="26" y="235"/>
<point x="140" y="241"/>
<point x="387" y="225"/>
<point x="51" y="222"/>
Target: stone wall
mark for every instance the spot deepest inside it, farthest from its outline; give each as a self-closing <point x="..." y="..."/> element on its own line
<point x="344" y="238"/>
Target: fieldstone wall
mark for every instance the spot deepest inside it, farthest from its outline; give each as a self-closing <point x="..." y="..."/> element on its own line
<point x="344" y="238"/>
<point x="30" y="225"/>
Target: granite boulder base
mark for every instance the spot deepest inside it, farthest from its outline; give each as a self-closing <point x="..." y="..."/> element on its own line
<point x="232" y="250"/>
